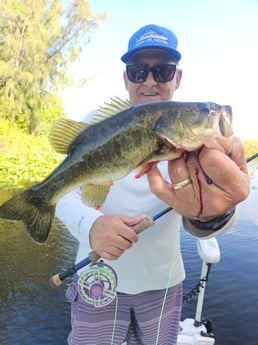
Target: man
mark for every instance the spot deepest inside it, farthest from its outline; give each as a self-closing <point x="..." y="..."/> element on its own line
<point x="150" y="271"/>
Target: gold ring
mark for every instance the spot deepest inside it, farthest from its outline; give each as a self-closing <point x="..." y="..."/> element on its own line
<point x="181" y="184"/>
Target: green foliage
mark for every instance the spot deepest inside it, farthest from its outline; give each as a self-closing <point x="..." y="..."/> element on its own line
<point x="251" y="147"/>
<point x="24" y="159"/>
<point x="39" y="40"/>
<point x="49" y="111"/>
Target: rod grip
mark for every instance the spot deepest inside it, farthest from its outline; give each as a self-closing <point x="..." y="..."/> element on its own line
<point x="146" y="223"/>
<point x="93" y="256"/>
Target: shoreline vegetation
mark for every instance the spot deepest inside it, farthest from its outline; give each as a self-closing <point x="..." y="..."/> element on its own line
<point x="38" y="47"/>
<point x="26" y="159"/>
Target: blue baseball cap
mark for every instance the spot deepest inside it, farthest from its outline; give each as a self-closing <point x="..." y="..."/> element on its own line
<point x="152" y="37"/>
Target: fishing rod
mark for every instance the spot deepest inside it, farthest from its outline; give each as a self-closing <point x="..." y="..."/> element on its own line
<point x="249" y="159"/>
<point x="93" y="257"/>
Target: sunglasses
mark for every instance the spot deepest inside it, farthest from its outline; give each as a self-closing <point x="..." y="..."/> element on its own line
<point x="162" y="73"/>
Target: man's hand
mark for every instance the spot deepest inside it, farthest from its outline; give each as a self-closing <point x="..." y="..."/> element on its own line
<point x="111" y="235"/>
<point x="209" y="181"/>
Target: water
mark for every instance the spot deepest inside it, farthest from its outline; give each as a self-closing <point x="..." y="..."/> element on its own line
<point x="231" y="299"/>
<point x="31" y="312"/>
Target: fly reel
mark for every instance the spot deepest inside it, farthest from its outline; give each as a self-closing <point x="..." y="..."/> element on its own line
<point x="97" y="285"/>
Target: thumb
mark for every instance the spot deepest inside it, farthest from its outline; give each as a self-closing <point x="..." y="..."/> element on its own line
<point x="130" y="221"/>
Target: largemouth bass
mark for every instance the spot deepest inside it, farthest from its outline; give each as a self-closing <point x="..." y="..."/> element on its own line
<point x="99" y="153"/>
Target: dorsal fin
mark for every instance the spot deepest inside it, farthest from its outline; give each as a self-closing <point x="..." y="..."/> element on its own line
<point x="63" y="132"/>
<point x="116" y="106"/>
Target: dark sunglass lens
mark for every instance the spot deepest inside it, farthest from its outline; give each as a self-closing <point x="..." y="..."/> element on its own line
<point x="164" y="73"/>
<point x="137" y="74"/>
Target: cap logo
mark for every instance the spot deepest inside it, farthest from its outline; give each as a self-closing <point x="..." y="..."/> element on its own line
<point x="151" y="36"/>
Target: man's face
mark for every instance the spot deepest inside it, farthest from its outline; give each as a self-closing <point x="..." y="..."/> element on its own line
<point x="150" y="90"/>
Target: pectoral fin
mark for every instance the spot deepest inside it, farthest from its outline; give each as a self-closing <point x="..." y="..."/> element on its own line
<point x="95" y="195"/>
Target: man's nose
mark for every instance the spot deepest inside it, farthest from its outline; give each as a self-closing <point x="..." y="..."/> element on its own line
<point x="150" y="80"/>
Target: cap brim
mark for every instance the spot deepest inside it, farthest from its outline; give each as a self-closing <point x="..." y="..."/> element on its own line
<point x="174" y="53"/>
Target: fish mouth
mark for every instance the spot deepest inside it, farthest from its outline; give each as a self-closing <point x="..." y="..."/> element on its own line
<point x="166" y="141"/>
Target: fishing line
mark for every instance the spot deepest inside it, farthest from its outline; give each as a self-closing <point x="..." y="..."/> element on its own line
<point x="164" y="300"/>
<point x="114" y="322"/>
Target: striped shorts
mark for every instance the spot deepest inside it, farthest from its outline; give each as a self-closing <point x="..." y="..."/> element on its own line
<point x="147" y="318"/>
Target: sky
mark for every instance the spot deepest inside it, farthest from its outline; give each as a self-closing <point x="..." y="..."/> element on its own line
<point x="218" y="40"/>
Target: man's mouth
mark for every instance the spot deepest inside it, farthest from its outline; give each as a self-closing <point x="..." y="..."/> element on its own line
<point x="149" y="94"/>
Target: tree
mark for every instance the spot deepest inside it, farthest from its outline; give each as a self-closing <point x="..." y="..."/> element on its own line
<point x="39" y="40"/>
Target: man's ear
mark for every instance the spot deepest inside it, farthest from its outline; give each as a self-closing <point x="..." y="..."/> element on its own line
<point x="179" y="74"/>
<point x="125" y="80"/>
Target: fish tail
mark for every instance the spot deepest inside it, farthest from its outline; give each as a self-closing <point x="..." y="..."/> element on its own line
<point x="35" y="213"/>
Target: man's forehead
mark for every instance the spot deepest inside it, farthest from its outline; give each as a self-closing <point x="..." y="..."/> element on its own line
<point x="151" y="54"/>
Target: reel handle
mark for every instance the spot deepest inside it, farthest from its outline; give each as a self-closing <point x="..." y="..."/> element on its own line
<point x="146" y="223"/>
<point x="93" y="257"/>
